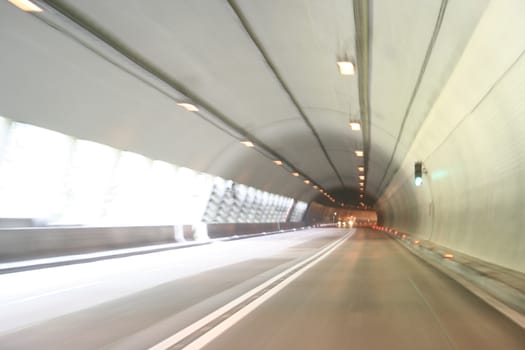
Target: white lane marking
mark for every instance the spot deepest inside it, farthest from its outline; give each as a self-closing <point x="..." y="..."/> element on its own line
<point x="58" y="291"/>
<point x="87" y="256"/>
<point x="206" y="338"/>
<point x="118" y="253"/>
<point x="434" y="314"/>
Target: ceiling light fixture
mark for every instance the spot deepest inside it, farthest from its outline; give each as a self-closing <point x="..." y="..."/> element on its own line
<point x="361" y="184"/>
<point x="315" y="186"/>
<point x="188" y="106"/>
<point x="346" y="67"/>
<point x="361" y="169"/>
<point x="26" y="5"/>
<point x="355" y="126"/>
<point x="278" y="162"/>
<point x="359" y="153"/>
<point x="247" y="143"/>
<point x="361" y="177"/>
<point x="307" y="181"/>
<point x="296" y="174"/>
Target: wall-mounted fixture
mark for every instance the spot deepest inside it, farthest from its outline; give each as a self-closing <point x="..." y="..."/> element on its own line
<point x="418" y="173"/>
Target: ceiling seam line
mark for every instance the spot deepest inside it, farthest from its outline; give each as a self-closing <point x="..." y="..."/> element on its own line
<point x="422" y="71"/>
<point x="262" y="51"/>
<point x="362" y="25"/>
<point x="141" y="63"/>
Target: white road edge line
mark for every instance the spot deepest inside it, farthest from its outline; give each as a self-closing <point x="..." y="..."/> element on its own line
<point x="223" y="326"/>
<point x="53" y="292"/>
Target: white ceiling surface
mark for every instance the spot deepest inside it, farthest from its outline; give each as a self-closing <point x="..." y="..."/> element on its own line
<point x="202" y="45"/>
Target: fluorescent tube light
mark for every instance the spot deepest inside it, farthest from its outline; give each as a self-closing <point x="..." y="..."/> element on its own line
<point x="346" y="67"/>
<point x="247" y="143"/>
<point x="188" y="106"/>
<point x="26" y="5"/>
<point x="355" y="126"/>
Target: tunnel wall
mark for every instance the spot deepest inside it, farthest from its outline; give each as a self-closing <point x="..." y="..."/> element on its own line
<point x="472" y="145"/>
<point x="41" y="242"/>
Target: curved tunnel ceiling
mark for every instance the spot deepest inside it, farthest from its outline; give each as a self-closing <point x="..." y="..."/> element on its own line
<point x="264" y="71"/>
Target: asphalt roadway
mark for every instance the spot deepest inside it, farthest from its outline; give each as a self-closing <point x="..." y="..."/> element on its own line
<point x="333" y="291"/>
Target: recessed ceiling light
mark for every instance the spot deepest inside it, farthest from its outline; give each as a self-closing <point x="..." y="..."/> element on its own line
<point x="296" y="174"/>
<point x="361" y="177"/>
<point x="278" y="162"/>
<point x="356" y="126"/>
<point x="359" y="153"/>
<point x="346" y="67"/>
<point x="188" y="106"/>
<point x="247" y="143"/>
<point x="307" y="181"/>
<point x="315" y="186"/>
<point x="26" y="5"/>
<point x="361" y="169"/>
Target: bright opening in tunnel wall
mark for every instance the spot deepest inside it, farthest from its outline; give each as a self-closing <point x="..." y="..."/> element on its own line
<point x="51" y="178"/>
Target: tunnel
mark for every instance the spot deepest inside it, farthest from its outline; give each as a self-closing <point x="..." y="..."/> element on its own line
<point x="178" y="174"/>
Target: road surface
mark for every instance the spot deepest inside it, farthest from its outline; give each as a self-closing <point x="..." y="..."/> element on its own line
<point x="316" y="289"/>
